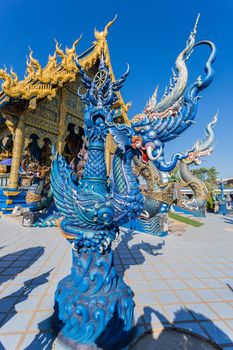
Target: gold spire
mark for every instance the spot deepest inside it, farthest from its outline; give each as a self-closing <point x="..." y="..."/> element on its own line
<point x="103" y="35"/>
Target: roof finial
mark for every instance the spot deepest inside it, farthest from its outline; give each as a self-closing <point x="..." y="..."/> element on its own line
<point x="104" y="33"/>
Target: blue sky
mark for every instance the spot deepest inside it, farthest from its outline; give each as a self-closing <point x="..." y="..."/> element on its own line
<point x="148" y="35"/>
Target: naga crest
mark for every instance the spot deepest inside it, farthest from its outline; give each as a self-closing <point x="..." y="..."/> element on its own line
<point x="164" y="120"/>
<point x="99" y="98"/>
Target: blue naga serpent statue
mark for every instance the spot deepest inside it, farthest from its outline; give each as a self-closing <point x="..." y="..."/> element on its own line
<point x="94" y="303"/>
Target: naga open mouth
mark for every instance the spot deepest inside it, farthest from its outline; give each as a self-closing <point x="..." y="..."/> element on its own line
<point x="147" y="151"/>
<point x="137" y="144"/>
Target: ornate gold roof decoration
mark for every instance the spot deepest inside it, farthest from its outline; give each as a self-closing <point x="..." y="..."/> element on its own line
<point x="42" y="82"/>
<point x="61" y="68"/>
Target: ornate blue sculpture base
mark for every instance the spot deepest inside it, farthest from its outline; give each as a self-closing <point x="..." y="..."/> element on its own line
<point x="94" y="303"/>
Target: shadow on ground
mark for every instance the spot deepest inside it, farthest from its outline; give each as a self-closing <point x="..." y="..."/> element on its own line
<point x="15" y="263"/>
<point x="137" y="249"/>
<point x="228" y="220"/>
<point x="21" y="295"/>
<point x="185" y="338"/>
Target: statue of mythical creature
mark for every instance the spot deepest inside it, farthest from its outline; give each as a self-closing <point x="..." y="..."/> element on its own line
<point x="82" y="159"/>
<point x="39" y="196"/>
<point x="201" y="148"/>
<point x="6" y="144"/>
<point x="95" y="305"/>
<point x="220" y="201"/>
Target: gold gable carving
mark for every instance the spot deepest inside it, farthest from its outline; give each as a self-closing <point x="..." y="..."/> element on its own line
<point x="40" y="83"/>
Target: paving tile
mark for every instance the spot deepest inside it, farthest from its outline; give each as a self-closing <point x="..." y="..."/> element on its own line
<point x="146" y="267"/>
<point x="168" y="297"/>
<point x="40" y="289"/>
<point x="151" y="275"/>
<point x="187" y="296"/>
<point x="168" y="274"/>
<point x="213" y="283"/>
<point x="177" y="284"/>
<point x="225" y="293"/>
<point x="195" y="283"/>
<point x="184" y="274"/>
<point x="208" y="295"/>
<point x="201" y="274"/>
<point x="134" y="275"/>
<point x="146" y="298"/>
<point x="223" y="309"/>
<point x="9" y="342"/>
<point x="4" y="263"/>
<point x="229" y="323"/>
<point x="140" y="286"/>
<point x="28" y="304"/>
<point x="12" y="271"/>
<point x="158" y="284"/>
<point x="16" y="323"/>
<point x="218" y="273"/>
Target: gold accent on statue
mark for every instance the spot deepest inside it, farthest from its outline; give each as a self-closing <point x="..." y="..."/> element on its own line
<point x="151" y="175"/>
<point x="165" y="195"/>
<point x="32" y="197"/>
<point x="3" y="168"/>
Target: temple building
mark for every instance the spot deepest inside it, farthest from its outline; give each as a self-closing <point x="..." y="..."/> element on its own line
<point x="43" y="110"/>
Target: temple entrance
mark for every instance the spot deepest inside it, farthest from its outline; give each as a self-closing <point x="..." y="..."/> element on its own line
<point x="74" y="143"/>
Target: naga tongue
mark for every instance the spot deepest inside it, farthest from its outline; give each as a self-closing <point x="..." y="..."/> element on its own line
<point x="144" y="155"/>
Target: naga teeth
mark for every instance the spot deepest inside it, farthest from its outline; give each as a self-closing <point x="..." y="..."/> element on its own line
<point x="105" y="244"/>
<point x="149" y="150"/>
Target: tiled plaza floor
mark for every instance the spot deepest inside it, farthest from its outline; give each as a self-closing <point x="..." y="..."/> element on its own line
<point x="184" y="279"/>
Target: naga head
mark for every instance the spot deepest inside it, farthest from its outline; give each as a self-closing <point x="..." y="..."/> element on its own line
<point x="165" y="119"/>
<point x="99" y="98"/>
<point x="203" y="148"/>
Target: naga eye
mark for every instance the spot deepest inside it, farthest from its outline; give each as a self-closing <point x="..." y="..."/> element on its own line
<point x="142" y="131"/>
<point x="151" y="134"/>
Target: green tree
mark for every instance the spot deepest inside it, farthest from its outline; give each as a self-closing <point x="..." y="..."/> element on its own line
<point x="208" y="176"/>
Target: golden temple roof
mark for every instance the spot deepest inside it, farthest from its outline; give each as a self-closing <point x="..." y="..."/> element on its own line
<point x="61" y="68"/>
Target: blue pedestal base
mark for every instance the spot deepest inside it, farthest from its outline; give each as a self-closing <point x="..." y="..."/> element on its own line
<point x="223" y="209"/>
<point x="94" y="304"/>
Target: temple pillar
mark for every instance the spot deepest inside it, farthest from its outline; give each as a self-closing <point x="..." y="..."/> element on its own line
<point x="62" y="119"/>
<point x="17" y="153"/>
